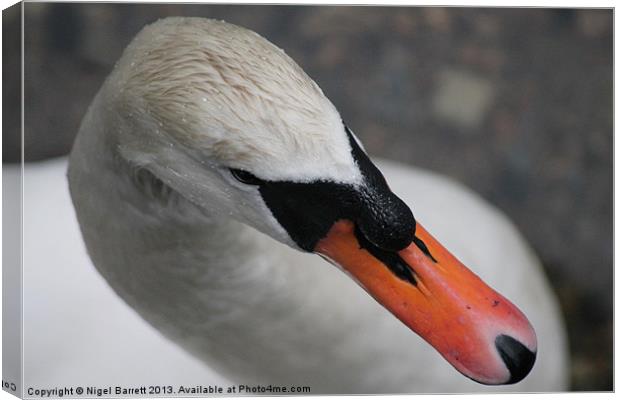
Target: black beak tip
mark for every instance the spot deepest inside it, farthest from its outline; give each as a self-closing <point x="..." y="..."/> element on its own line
<point x="518" y="359"/>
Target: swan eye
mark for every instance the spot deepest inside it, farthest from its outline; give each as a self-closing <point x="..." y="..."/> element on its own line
<point x="245" y="177"/>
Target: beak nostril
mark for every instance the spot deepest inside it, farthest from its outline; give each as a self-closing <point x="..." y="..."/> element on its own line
<point x="518" y="359"/>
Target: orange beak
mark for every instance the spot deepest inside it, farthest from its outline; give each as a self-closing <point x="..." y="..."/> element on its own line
<point x="474" y="328"/>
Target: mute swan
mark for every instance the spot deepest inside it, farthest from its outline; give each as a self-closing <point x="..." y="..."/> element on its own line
<point x="209" y="159"/>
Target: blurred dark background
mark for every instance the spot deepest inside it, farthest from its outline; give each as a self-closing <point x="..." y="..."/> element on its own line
<point x="514" y="103"/>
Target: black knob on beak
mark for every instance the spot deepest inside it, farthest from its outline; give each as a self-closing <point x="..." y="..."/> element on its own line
<point x="385" y="220"/>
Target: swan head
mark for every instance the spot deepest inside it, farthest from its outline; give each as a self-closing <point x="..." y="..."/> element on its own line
<point x="200" y="99"/>
<point x="232" y="124"/>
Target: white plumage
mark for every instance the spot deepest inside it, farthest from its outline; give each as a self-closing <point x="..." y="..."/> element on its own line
<point x="194" y="265"/>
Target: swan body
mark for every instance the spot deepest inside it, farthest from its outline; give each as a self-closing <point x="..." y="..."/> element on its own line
<point x="192" y="249"/>
<point x="90" y="331"/>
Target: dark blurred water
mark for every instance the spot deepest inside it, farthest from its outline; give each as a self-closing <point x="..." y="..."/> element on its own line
<point x="515" y="103"/>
